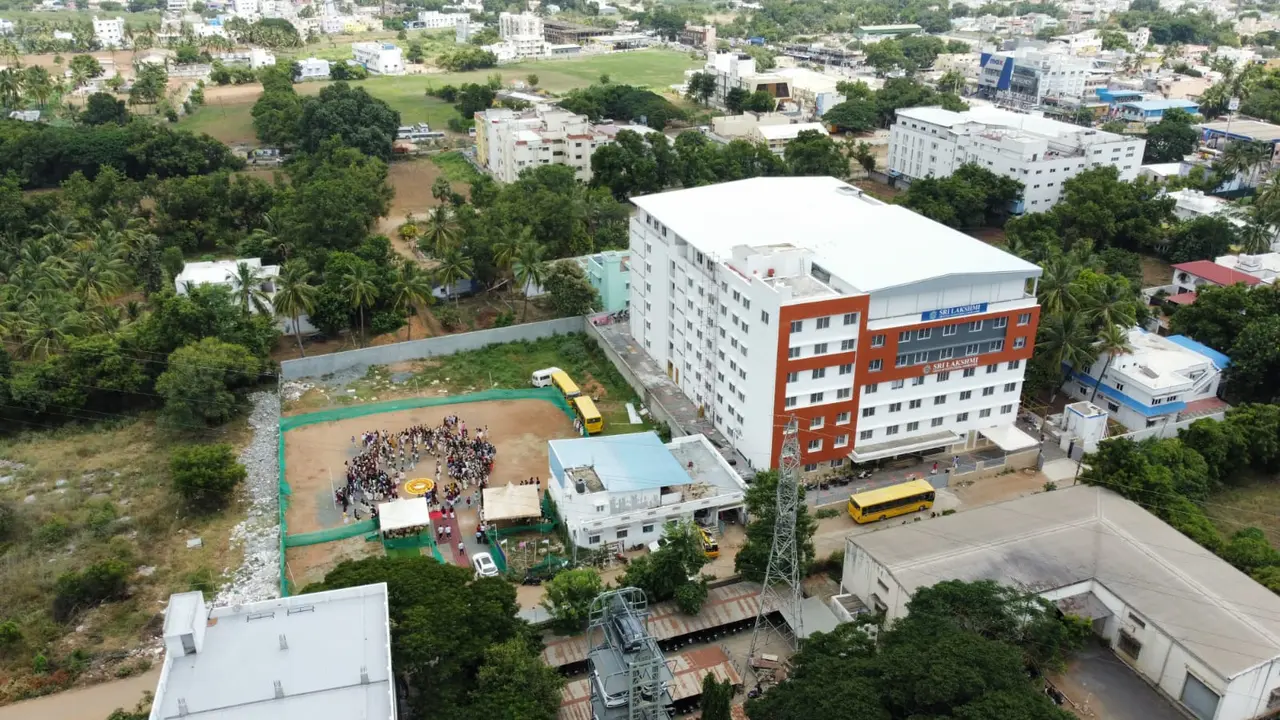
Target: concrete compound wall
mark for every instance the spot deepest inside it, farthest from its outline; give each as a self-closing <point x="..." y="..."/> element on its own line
<point x="320" y="365"/>
<point x="650" y="400"/>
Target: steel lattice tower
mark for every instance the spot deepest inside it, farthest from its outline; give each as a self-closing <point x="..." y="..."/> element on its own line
<point x="781" y="591"/>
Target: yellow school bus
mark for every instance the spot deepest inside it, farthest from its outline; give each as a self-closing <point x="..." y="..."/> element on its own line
<point x="887" y="502"/>
<point x="566" y="385"/>
<point x="588" y="414"/>
<point x="710" y="547"/>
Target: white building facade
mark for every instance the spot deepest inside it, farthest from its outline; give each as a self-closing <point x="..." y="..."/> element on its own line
<point x="313" y="69"/>
<point x="225" y="272"/>
<point x="508" y="142"/>
<point x="109" y="33"/>
<point x="625" y="488"/>
<point x="436" y="20"/>
<point x="1158" y="382"/>
<point x="1038" y="152"/>
<point x="801" y="308"/>
<point x="379" y="58"/>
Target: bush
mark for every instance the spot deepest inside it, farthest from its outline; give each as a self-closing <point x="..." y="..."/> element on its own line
<point x="10" y="635"/>
<point x="100" y="582"/>
<point x="569" y="597"/>
<point x="449" y="318"/>
<point x="572" y="350"/>
<point x="690" y="597"/>
<point x="8" y="521"/>
<point x="205" y="476"/>
<point x="825" y="513"/>
<point x="101" y="517"/>
<point x="506" y="318"/>
<point x="53" y="532"/>
<point x="385" y="321"/>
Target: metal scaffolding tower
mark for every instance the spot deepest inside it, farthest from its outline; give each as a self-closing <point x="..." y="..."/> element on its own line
<point x="630" y="679"/>
<point x="781" y="592"/>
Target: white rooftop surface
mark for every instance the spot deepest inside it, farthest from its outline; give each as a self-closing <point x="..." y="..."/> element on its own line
<point x="1166" y="361"/>
<point x="331" y="637"/>
<point x="401" y="514"/>
<point x="1164" y="169"/>
<point x="1057" y="539"/>
<point x="511" y="502"/>
<point x="808" y="79"/>
<point x="1009" y="438"/>
<point x="789" y="132"/>
<point x="219" y="272"/>
<point x="705" y="465"/>
<point x="991" y="115"/>
<point x="857" y="238"/>
<point x="1265" y="266"/>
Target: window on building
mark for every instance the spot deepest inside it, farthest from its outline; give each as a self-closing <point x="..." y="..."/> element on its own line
<point x="1024" y="318"/>
<point x="851" y="318"/>
<point x="646" y="529"/>
<point x="815" y="397"/>
<point x="1019" y="343"/>
<point x="969" y="372"/>
<point x="913" y="426"/>
<point x="844" y="393"/>
<point x="793" y="353"/>
<point x="846" y="369"/>
<point x="868" y="389"/>
<point x="824" y="323"/>
<point x="939" y="399"/>
<point x="975" y="325"/>
<point x="810" y="467"/>
<point x="797" y="326"/>
<point x="790" y="401"/>
<point x="843" y="418"/>
<point x="971" y="349"/>
<point x="875" y="365"/>
<point x="817" y="422"/>
<point x="996" y="346"/>
<point x="891" y="430"/>
<point x="993" y="367"/>
<point x="904" y="336"/>
<point x="984" y="413"/>
<point x="841" y="441"/>
<point x="895" y="407"/>
<point x="820" y="349"/>
<point x="866" y="434"/>
<point x="819" y="373"/>
<point x="944" y="376"/>
<point x="962" y="417"/>
<point x="1001" y="322"/>
<point x="936" y="422"/>
<point x="846" y="345"/>
<point x="764" y="317"/>
<point x="1129" y="645"/>
<point x="1006" y="409"/>
<point x="815" y="445"/>
<point x="791" y="377"/>
<point x="1013" y="365"/>
<point x="897" y="384"/>
<point x="877" y="341"/>
<point x="949" y="330"/>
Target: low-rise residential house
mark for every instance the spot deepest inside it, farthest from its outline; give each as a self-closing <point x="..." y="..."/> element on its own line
<point x="1160" y="380"/>
<point x="313" y="69"/>
<point x="225" y="272"/>
<point x="379" y="58"/>
<point x="777" y="136"/>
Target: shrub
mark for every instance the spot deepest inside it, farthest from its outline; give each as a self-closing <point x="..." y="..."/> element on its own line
<point x="824" y="513"/>
<point x="101" y="516"/>
<point x="205" y="476"/>
<point x="385" y="321"/>
<point x="449" y="318"/>
<point x="53" y="532"/>
<point x="100" y="582"/>
<point x="40" y="664"/>
<point x="10" y="635"/>
<point x="8" y="521"/>
<point x="505" y="318"/>
<point x="690" y="597"/>
<point x="571" y="349"/>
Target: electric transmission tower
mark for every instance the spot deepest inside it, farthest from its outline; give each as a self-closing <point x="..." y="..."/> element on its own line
<point x="781" y="591"/>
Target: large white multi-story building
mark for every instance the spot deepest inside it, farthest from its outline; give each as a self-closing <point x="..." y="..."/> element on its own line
<point x="1159" y="381"/>
<point x="883" y="332"/>
<point x="1027" y="75"/>
<point x="522" y="36"/>
<point x="379" y="58"/>
<point x="523" y="24"/>
<point x="109" y="33"/>
<point x="436" y="20"/>
<point x="507" y="141"/>
<point x="1038" y="152"/>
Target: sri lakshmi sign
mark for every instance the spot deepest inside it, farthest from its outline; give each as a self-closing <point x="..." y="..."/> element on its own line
<point x="957" y="311"/>
<point x="956" y="364"/>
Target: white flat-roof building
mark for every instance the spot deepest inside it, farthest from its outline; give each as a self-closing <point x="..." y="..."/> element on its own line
<point x="883" y="332"/>
<point x="519" y="24"/>
<point x="379" y="58"/>
<point x="436" y="20"/>
<point x="224" y="272"/>
<point x="508" y="141"/>
<point x="625" y="488"/>
<point x="1028" y="75"/>
<point x="1160" y="381"/>
<point x="1203" y="633"/>
<point x="109" y="33"/>
<point x="777" y="136"/>
<point x="313" y="69"/>
<point x="1265" y="267"/>
<point x="1190" y="204"/>
<point x="321" y="656"/>
<point x="1038" y="152"/>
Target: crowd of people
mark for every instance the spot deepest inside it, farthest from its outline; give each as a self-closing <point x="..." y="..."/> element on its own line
<point x="463" y="460"/>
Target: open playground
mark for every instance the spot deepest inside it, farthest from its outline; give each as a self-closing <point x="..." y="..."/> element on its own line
<point x="315" y="447"/>
<point x="226" y="112"/>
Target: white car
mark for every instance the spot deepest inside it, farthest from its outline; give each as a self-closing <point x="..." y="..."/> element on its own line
<point x="483" y="564"/>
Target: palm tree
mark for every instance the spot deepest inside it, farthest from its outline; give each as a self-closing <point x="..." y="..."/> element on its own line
<point x="1256" y="236"/>
<point x="270" y="236"/>
<point x="1242" y="158"/>
<point x="530" y="272"/>
<point x="454" y="267"/>
<point x="1112" y="340"/>
<point x="1112" y="305"/>
<point x="246" y="286"/>
<point x="47" y="325"/>
<point x="441" y="231"/>
<point x="412" y="288"/>
<point x="98" y="276"/>
<point x="1058" y="289"/>
<point x="38" y="85"/>
<point x="507" y="247"/>
<point x="1064" y="340"/>
<point x="360" y="290"/>
<point x="10" y="87"/>
<point x="295" y="295"/>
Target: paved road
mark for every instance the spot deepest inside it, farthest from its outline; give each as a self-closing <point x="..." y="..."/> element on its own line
<point x="90" y="703"/>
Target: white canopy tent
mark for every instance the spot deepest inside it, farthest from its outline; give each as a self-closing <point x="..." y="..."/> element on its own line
<point x="1009" y="438"/>
<point x="511" y="502"/>
<point x="402" y="514"/>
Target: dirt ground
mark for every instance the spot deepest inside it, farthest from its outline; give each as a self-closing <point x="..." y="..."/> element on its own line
<point x="90" y="703"/>
<point x="411" y="180"/>
<point x="309" y="564"/>
<point x="232" y="93"/>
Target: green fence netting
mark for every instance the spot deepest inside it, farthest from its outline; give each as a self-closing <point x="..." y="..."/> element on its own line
<point x="549" y="394"/>
<point x="413" y="541"/>
<point x="350" y="530"/>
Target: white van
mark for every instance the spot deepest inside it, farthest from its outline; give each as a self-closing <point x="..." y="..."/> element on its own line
<point x="542" y="378"/>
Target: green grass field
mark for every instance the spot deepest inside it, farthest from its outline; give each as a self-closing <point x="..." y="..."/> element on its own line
<point x="62" y="16"/>
<point x="231" y="122"/>
<point x="1256" y="504"/>
<point x="455" y="167"/>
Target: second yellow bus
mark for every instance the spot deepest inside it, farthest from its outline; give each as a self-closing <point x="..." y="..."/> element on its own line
<point x="892" y="501"/>
<point x="565" y="384"/>
<point x="588" y="414"/>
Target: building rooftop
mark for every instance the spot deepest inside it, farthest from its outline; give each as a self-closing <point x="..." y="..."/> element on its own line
<point x="789" y="131"/>
<point x="623" y="463"/>
<point x="1265" y="266"/>
<point x="1056" y="539"/>
<point x="220" y="272"/>
<point x="1160" y="104"/>
<point x="321" y="656"/>
<point x="1022" y="122"/>
<point x="845" y="230"/>
<point x="1159" y="363"/>
<point x="1245" y="129"/>
<point x="1215" y="273"/>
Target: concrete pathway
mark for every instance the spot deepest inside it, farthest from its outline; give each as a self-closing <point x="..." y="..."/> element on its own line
<point x="89" y="703"/>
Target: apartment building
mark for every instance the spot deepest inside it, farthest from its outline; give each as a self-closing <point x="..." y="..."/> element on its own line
<point x="379" y="58"/>
<point x="881" y="331"/>
<point x="1038" y="152"/>
<point x="436" y="20"/>
<point x="1161" y="380"/>
<point x="109" y="33"/>
<point x="507" y="141"/>
<point x="511" y="25"/>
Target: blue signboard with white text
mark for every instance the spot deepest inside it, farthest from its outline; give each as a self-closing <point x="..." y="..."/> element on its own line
<point x="957" y="311"/>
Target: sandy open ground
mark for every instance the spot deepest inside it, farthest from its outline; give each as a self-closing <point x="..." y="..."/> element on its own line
<point x="314" y="457"/>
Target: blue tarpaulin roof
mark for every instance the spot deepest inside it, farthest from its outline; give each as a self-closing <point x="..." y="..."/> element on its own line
<point x="1219" y="360"/>
<point x="637" y="461"/>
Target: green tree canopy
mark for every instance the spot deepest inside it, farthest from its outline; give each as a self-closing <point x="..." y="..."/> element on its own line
<point x="200" y="384"/>
<point x="361" y="120"/>
<point x="1171" y="139"/>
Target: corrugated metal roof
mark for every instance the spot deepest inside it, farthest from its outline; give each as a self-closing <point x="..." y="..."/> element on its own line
<point x="724" y="606"/>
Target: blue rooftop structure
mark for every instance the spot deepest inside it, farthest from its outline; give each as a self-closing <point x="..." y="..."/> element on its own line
<point x="637" y="461"/>
<point x="1219" y="360"/>
<point x="1153" y="110"/>
<point x="1112" y="96"/>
